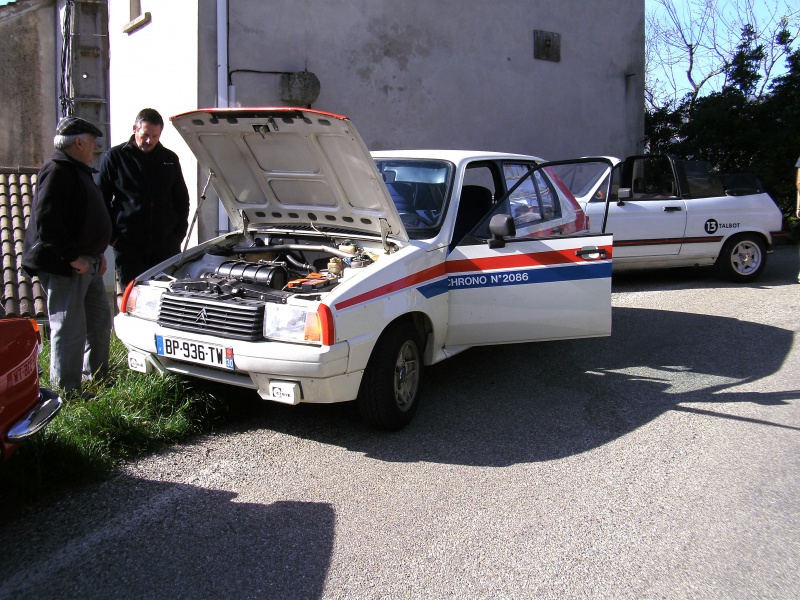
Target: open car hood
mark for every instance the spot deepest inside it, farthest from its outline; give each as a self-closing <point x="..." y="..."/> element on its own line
<point x="291" y="167"/>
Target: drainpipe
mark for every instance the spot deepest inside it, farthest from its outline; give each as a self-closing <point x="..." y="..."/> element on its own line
<point x="223" y="99"/>
<point x="222" y="53"/>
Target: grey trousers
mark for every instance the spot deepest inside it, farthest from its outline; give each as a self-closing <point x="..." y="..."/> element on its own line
<point x="80" y="327"/>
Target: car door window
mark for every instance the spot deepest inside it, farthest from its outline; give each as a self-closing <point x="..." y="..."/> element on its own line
<point x="480" y="173"/>
<point x="534" y="200"/>
<point x="478" y="194"/>
<point x="548" y="199"/>
<point x="653" y="179"/>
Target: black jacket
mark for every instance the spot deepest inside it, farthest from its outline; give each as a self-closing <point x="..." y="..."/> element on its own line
<point x="146" y="196"/>
<point x="68" y="218"/>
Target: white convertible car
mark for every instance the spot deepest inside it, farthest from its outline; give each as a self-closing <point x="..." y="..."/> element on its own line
<point x="665" y="212"/>
<point x="348" y="273"/>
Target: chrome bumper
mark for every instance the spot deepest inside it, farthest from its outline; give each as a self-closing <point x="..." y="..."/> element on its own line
<point x="41" y="414"/>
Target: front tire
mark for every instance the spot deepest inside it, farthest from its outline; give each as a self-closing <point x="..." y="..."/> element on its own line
<point x="743" y="258"/>
<point x="390" y="390"/>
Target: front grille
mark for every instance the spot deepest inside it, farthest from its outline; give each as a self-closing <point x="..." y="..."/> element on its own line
<point x="237" y="318"/>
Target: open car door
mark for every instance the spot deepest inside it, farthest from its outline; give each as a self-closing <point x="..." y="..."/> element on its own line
<point x="512" y="281"/>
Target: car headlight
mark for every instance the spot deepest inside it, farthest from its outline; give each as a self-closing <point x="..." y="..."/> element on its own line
<point x="296" y="324"/>
<point x="143" y="302"/>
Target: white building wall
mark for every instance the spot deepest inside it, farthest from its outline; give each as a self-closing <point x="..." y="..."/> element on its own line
<point x="415" y="74"/>
<point x="155" y="66"/>
<point x="455" y="74"/>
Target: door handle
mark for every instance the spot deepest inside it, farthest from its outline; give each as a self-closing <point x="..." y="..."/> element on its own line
<point x="672" y="209"/>
<point x="591" y="252"/>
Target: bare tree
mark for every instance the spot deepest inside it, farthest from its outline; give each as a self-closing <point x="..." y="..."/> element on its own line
<point x="691" y="44"/>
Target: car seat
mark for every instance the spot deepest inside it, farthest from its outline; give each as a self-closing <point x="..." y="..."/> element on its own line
<point x="476" y="201"/>
<point x="403" y="196"/>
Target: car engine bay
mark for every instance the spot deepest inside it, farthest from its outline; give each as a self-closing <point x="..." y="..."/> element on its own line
<point x="225" y="289"/>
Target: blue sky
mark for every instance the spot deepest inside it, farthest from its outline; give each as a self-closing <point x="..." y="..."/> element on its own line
<point x="761" y="8"/>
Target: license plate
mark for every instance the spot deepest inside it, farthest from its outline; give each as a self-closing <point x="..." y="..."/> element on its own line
<point x="196" y="352"/>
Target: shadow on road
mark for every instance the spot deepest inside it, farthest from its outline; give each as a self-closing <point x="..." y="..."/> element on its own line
<point x="503" y="405"/>
<point x="169" y="541"/>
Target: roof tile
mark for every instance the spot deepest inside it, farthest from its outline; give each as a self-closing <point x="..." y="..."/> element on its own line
<point x="20" y="295"/>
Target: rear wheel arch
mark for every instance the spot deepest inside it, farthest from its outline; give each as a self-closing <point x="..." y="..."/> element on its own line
<point x="765" y="239"/>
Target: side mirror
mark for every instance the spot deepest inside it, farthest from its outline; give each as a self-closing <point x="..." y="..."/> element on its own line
<point x="501" y="226"/>
<point x="623" y="194"/>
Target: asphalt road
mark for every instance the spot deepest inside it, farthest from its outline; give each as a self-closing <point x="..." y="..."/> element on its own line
<point x="660" y="462"/>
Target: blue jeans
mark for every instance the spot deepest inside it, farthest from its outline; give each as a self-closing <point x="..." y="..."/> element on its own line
<point x="80" y="327"/>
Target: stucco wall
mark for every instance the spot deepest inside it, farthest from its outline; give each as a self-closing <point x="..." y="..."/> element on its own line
<point x="28" y="95"/>
<point x="420" y="74"/>
<point x="155" y="67"/>
<point x="457" y="74"/>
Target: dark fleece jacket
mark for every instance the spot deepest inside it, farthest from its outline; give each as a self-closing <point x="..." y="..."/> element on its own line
<point x="146" y="196"/>
<point x="68" y="218"/>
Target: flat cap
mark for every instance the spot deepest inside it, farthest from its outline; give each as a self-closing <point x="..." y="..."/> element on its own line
<point x="76" y="126"/>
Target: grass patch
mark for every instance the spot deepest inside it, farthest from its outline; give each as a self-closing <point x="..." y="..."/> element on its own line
<point x="131" y="414"/>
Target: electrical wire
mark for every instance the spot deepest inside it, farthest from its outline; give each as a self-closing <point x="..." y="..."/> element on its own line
<point x="65" y="99"/>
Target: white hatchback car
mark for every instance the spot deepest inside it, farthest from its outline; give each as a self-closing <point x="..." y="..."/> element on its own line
<point x="665" y="212"/>
<point x="348" y="273"/>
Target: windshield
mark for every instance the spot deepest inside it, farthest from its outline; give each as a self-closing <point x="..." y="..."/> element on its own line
<point x="419" y="189"/>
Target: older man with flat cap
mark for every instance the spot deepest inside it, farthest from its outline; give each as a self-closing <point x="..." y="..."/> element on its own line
<point x="68" y="232"/>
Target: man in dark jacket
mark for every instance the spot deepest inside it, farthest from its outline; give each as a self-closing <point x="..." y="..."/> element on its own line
<point x="68" y="232"/>
<point x="146" y="196"/>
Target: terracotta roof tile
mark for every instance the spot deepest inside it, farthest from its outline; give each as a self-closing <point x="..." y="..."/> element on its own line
<point x="20" y="295"/>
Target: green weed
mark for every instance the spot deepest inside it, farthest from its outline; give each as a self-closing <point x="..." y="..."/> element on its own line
<point x="130" y="415"/>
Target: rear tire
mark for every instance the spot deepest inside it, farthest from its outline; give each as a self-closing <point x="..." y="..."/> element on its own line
<point x="390" y="390"/>
<point x="743" y="258"/>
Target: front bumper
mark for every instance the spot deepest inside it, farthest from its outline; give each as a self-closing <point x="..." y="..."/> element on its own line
<point x="320" y="373"/>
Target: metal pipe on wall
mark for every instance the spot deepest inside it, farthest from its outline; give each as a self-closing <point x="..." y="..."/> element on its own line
<point x="223" y="98"/>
